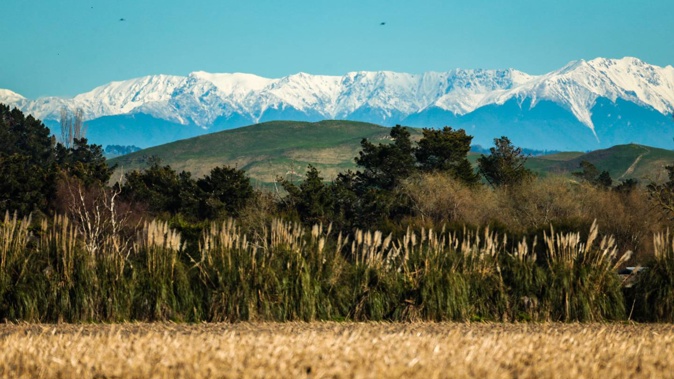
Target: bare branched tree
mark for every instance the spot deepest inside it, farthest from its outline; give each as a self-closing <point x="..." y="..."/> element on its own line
<point x="662" y="194"/>
<point x="100" y="221"/>
<point x="72" y="126"/>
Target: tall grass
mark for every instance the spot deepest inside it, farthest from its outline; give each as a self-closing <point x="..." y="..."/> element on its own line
<point x="161" y="279"/>
<point x="17" y="300"/>
<point x="282" y="271"/>
<point x="48" y="274"/>
<point x="652" y="296"/>
<point x="453" y="277"/>
<point x="71" y="272"/>
<point x="582" y="283"/>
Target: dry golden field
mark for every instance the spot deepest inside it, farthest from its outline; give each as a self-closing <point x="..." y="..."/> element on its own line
<point x="337" y="350"/>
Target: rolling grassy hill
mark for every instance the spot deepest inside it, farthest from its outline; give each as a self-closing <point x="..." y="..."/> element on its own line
<point x="285" y="148"/>
<point x="268" y="150"/>
<point x="622" y="162"/>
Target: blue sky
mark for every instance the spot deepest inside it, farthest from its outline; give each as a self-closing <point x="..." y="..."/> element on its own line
<point x="65" y="47"/>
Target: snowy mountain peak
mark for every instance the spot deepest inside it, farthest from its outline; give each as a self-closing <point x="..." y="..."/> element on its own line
<point x="468" y="90"/>
<point x="127" y="96"/>
<point x="10" y="97"/>
<point x="234" y="82"/>
<point x="578" y="85"/>
<point x="204" y="98"/>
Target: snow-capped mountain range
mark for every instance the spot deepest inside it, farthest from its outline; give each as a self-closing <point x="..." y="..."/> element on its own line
<point x="583" y="105"/>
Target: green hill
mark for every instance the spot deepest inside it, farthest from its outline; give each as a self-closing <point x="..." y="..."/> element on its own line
<point x="285" y="148"/>
<point x="622" y="162"/>
<point x="268" y="150"/>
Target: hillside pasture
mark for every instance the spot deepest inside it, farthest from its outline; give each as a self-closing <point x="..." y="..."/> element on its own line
<point x="285" y="148"/>
<point x="268" y="150"/>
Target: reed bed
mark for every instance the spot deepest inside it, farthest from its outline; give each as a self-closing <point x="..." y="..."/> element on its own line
<point x="337" y="350"/>
<point x="284" y="271"/>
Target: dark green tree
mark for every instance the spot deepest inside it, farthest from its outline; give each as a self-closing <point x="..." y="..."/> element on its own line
<point x="25" y="187"/>
<point x="226" y="192"/>
<point x="446" y="150"/>
<point x="384" y="166"/>
<point x="626" y="186"/>
<point x="504" y="166"/>
<point x="190" y="197"/>
<point x="25" y="136"/>
<point x="312" y="199"/>
<point x="157" y="187"/>
<point x="346" y="202"/>
<point x="590" y="173"/>
<point x="84" y="162"/>
<point x="27" y="164"/>
<point x="604" y="180"/>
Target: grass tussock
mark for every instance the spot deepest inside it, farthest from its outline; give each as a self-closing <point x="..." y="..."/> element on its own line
<point x="367" y="350"/>
<point x="652" y="296"/>
<point x="283" y="271"/>
<point x="582" y="284"/>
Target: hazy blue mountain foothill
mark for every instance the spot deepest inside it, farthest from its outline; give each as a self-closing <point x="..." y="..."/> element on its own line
<point x="547" y="126"/>
<point x="135" y="129"/>
<point x="585" y="105"/>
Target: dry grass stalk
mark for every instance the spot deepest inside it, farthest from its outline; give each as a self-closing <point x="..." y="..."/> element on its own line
<point x="161" y="245"/>
<point x="13" y="237"/>
<point x="158" y="234"/>
<point x="523" y="253"/>
<point x="568" y="249"/>
<point x="663" y="247"/>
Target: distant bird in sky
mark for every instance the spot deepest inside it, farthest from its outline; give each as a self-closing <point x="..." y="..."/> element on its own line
<point x="382" y="24"/>
<point x="122" y="19"/>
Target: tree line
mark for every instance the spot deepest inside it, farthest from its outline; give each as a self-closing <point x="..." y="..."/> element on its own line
<point x="37" y="167"/>
<point x="387" y="191"/>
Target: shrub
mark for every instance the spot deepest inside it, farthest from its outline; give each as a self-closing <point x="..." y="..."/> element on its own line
<point x="443" y="200"/>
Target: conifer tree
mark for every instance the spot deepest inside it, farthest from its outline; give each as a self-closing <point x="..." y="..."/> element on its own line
<point x="27" y="165"/>
<point x="446" y="150"/>
<point x="504" y="166"/>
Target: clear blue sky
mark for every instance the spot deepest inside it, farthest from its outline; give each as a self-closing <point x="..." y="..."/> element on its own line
<point x="65" y="47"/>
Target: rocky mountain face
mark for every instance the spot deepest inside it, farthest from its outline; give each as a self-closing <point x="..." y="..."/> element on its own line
<point x="584" y="105"/>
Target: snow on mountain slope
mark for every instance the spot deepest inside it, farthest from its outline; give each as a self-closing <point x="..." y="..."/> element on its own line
<point x="237" y="85"/>
<point x="150" y="93"/>
<point x="301" y="91"/>
<point x="388" y="91"/>
<point x="203" y="98"/>
<point x="638" y="82"/>
<point x="200" y="101"/>
<point x="125" y="96"/>
<point x="10" y="97"/>
<point x="45" y="108"/>
<point x="579" y="84"/>
<point x="470" y="87"/>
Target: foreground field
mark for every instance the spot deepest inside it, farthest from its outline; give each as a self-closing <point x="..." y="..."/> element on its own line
<point x="319" y="350"/>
